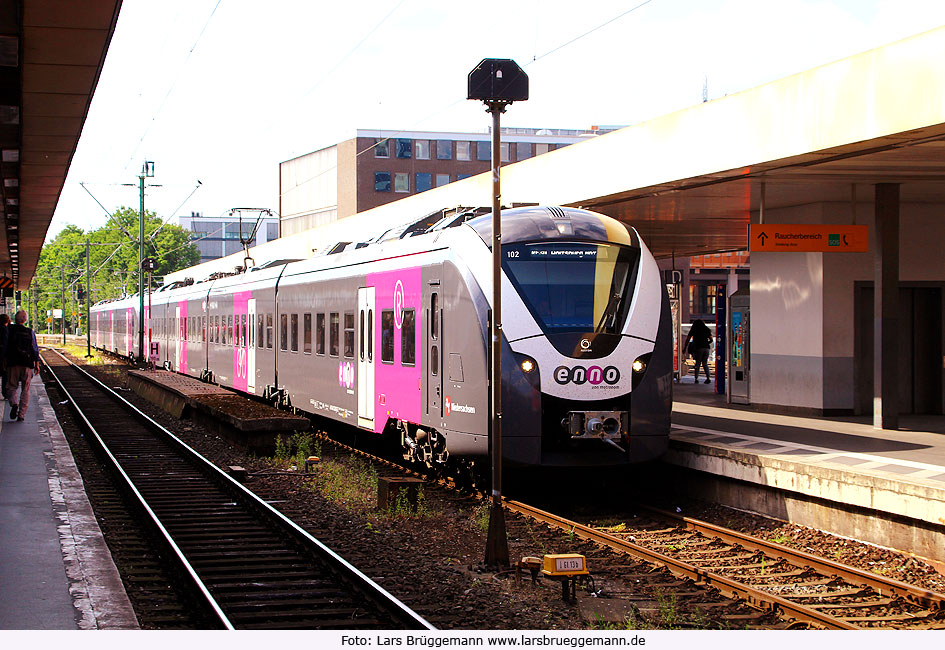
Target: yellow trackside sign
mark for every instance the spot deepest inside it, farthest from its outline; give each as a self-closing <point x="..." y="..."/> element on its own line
<point x="805" y="238"/>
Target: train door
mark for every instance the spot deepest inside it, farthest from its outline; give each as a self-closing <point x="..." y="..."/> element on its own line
<point x="366" y="357"/>
<point x="434" y="331"/>
<point x="251" y="349"/>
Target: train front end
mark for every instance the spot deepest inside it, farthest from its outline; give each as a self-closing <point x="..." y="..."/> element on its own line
<point x="587" y="351"/>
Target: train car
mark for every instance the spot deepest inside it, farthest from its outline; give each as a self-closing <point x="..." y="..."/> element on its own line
<point x="392" y="338"/>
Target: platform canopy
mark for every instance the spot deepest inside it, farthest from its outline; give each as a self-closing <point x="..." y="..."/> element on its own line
<point x="692" y="181"/>
<point x="51" y="56"/>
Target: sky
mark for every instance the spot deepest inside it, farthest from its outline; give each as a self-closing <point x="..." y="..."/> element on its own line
<point x="222" y="91"/>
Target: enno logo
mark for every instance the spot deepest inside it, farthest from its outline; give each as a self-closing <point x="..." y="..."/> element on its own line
<point x="581" y="375"/>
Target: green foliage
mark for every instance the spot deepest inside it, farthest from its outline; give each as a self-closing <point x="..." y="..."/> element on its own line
<point x="113" y="261"/>
<point x="403" y="508"/>
<point x="351" y="483"/>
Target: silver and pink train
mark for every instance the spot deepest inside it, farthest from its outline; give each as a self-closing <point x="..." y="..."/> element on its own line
<point x="391" y="337"/>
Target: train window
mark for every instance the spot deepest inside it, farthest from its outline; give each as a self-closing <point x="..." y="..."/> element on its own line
<point x="260" y="331"/>
<point x="434" y="360"/>
<point x="349" y="334"/>
<point x="203" y="328"/>
<point x="284" y="332"/>
<point x="408" y="339"/>
<point x="334" y="331"/>
<point x="295" y="333"/>
<point x="370" y="335"/>
<point x="320" y="334"/>
<point x="307" y="333"/>
<point x="269" y="331"/>
<point x="387" y="336"/>
<point x="243" y="330"/>
<point x="229" y="330"/>
<point x="434" y="316"/>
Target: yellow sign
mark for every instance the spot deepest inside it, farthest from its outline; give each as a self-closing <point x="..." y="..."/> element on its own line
<point x="806" y="238"/>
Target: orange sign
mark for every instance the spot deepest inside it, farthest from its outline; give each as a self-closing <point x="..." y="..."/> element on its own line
<point x="805" y="238"/>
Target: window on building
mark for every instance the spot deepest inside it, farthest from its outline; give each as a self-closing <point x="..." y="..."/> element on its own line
<point x="505" y="151"/>
<point x="424" y="181"/>
<point x="463" y="151"/>
<point x="307" y="333"/>
<point x="283" y="332"/>
<point x="484" y="150"/>
<point x="387" y="336"/>
<point x="404" y="148"/>
<point x="408" y="342"/>
<point x="382" y="181"/>
<point x="444" y="149"/>
<point x="540" y="148"/>
<point x="334" y="333"/>
<point x="382" y="148"/>
<point x="294" y="333"/>
<point x="460" y="177"/>
<point x="702" y="298"/>
<point x="320" y="334"/>
<point x="422" y="149"/>
<point x="523" y="150"/>
<point x="442" y="179"/>
<point x="401" y="182"/>
<point x="349" y="334"/>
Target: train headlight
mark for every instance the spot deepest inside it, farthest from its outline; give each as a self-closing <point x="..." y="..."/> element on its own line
<point x="639" y="369"/>
<point x="528" y="366"/>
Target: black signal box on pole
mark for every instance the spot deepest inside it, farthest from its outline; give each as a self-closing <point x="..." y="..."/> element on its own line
<point x="499" y="80"/>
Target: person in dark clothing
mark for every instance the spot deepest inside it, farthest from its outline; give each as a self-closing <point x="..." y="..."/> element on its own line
<point x="22" y="360"/>
<point x="698" y="343"/>
<point x="4" y="333"/>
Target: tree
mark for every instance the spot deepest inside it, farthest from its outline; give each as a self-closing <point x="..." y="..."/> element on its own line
<point x="113" y="258"/>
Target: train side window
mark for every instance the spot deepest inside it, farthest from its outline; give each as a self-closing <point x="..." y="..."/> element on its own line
<point x="229" y="330"/>
<point x="284" y="332"/>
<point x="260" y="331"/>
<point x="320" y="334"/>
<point x="307" y="333"/>
<point x="349" y="334"/>
<point x="269" y="331"/>
<point x="408" y="342"/>
<point x="203" y="328"/>
<point x="434" y="360"/>
<point x="434" y="316"/>
<point x="243" y="330"/>
<point x="295" y="333"/>
<point x="334" y="325"/>
<point x="387" y="336"/>
<point x="370" y="335"/>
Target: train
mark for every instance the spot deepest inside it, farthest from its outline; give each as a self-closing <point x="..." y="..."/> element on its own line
<point x="391" y="336"/>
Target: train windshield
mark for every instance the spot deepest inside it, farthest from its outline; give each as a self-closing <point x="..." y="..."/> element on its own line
<point x="574" y="287"/>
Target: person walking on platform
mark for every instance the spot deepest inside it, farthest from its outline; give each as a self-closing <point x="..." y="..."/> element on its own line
<point x="4" y="334"/>
<point x="22" y="358"/>
<point x="698" y="343"/>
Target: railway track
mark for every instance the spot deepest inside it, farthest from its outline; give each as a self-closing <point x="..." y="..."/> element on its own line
<point x="249" y="565"/>
<point x="769" y="576"/>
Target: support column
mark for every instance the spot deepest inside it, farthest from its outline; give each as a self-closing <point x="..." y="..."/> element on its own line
<point x="886" y="308"/>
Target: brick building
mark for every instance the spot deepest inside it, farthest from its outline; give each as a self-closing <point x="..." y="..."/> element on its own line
<point x="378" y="167"/>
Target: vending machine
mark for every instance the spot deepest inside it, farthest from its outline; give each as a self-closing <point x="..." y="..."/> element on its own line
<point x="739" y="357"/>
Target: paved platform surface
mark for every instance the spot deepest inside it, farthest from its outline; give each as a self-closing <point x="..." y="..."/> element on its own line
<point x="842" y="460"/>
<point x="55" y="571"/>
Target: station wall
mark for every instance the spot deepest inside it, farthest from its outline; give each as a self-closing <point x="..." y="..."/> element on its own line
<point x="803" y="305"/>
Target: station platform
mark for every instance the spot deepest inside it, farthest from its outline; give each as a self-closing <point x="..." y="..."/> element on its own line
<point x="835" y="473"/>
<point x="56" y="573"/>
